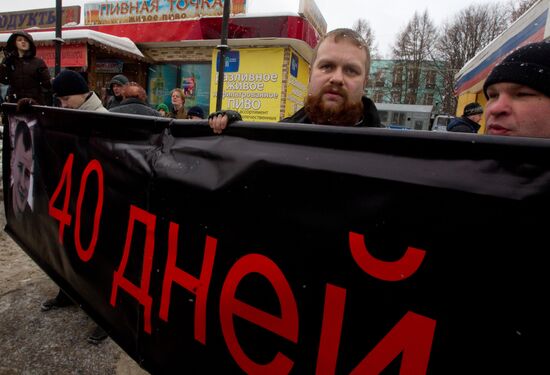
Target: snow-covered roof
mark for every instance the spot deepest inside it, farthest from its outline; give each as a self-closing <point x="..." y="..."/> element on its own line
<point x="115" y="42"/>
<point x="264" y="14"/>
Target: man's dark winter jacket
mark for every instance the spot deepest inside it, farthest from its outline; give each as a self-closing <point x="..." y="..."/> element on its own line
<point x="113" y="100"/>
<point x="134" y="106"/>
<point x="27" y="76"/>
<point x="463" y="125"/>
<point x="370" y="116"/>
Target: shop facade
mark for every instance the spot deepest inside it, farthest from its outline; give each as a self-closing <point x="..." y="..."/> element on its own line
<point x="266" y="70"/>
<point x="98" y="56"/>
<point x="263" y="83"/>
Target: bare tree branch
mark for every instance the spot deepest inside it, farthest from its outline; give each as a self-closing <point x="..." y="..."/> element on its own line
<point x="412" y="49"/>
<point x="462" y="38"/>
<point x="362" y="26"/>
<point x="516" y="8"/>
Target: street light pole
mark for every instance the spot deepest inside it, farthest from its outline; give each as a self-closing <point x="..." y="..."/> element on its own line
<point x="58" y="39"/>
<point x="223" y="48"/>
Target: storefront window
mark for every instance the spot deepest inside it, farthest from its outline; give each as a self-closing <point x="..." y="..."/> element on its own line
<point x="193" y="79"/>
<point x="162" y="79"/>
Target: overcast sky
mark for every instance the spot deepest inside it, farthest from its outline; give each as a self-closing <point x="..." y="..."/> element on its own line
<point x="386" y="18"/>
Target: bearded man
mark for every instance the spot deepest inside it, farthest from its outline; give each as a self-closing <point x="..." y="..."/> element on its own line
<point x="339" y="75"/>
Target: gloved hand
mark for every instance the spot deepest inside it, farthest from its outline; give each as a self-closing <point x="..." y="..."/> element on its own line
<point x="9" y="56"/>
<point x="218" y="121"/>
<point x="25" y="104"/>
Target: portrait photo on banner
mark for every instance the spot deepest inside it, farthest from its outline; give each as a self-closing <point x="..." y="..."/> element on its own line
<point x="21" y="163"/>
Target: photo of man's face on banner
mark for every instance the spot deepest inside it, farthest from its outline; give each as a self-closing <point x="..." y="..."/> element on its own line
<point x="22" y="164"/>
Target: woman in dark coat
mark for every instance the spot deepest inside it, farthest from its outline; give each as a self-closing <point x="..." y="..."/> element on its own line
<point x="26" y="74"/>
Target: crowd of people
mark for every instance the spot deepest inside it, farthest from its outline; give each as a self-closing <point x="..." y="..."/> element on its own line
<point x="27" y="77"/>
<point x="517" y="92"/>
<point x="339" y="74"/>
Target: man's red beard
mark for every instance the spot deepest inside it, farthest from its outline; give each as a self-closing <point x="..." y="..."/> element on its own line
<point x="346" y="114"/>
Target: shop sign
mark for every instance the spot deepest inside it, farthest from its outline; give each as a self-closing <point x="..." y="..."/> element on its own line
<point x="253" y="81"/>
<point x="71" y="55"/>
<point x="231" y="62"/>
<point x="37" y="18"/>
<point x="109" y="66"/>
<point x="133" y="11"/>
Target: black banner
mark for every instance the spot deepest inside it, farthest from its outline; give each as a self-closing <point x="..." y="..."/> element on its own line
<point x="278" y="248"/>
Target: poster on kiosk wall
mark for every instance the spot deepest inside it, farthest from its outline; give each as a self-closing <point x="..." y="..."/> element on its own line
<point x="297" y="81"/>
<point x="162" y="79"/>
<point x="253" y="80"/>
<point x="195" y="83"/>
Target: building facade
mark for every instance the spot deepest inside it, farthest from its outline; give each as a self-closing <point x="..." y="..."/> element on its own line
<point x="391" y="81"/>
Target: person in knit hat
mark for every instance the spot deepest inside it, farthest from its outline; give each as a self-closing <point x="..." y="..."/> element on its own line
<point x="163" y="110"/>
<point x="518" y="93"/>
<point x="469" y="122"/>
<point x="195" y="113"/>
<point x="72" y="91"/>
<point x="116" y="85"/>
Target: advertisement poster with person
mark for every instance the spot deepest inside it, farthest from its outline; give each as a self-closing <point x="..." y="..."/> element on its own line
<point x="195" y="83"/>
<point x="162" y="79"/>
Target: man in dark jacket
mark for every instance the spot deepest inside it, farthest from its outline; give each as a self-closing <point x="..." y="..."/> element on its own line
<point x="469" y="122"/>
<point x="115" y="90"/>
<point x="26" y="74"/>
<point x="134" y="101"/>
<point x="339" y="75"/>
